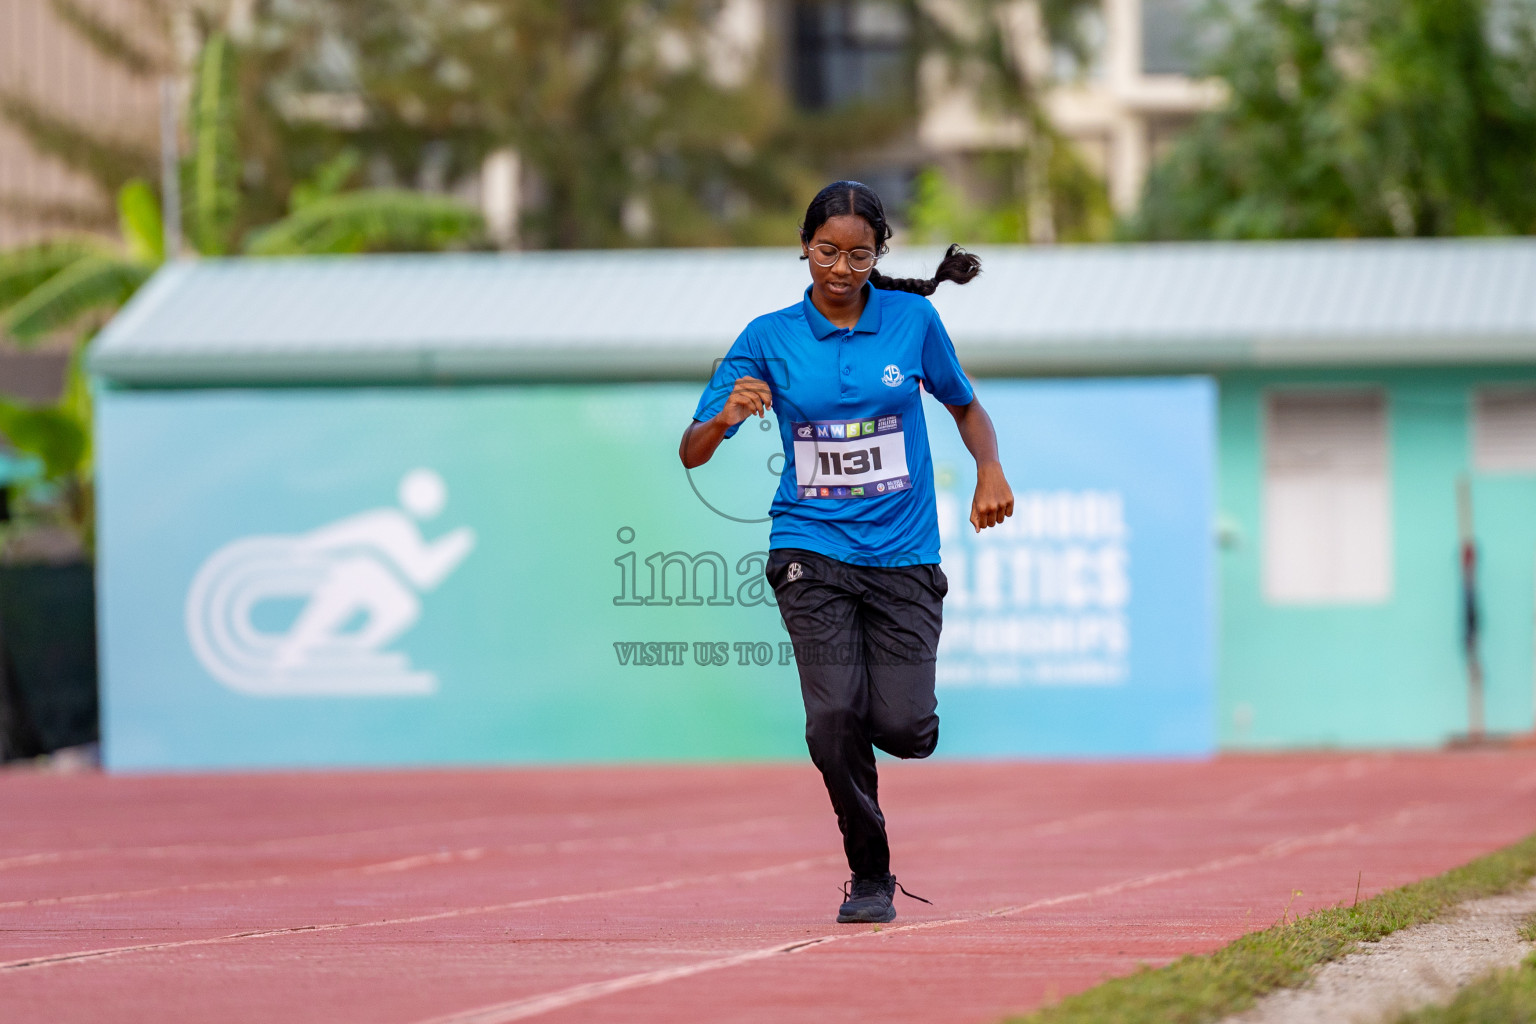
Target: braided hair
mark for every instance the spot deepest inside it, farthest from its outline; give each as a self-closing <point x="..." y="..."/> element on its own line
<point x="842" y="198"/>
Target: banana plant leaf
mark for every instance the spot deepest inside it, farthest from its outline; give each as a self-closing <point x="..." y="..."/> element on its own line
<point x="370" y="220"/>
<point x="28" y="267"/>
<point x="215" y="179"/>
<point x="89" y="284"/>
<point x="138" y="216"/>
<point x="50" y="433"/>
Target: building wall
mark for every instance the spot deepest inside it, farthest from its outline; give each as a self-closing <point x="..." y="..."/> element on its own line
<point x="1389" y="673"/>
<point x="49" y="62"/>
<point x="1137" y="93"/>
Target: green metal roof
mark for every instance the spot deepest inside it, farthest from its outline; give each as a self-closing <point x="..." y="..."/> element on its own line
<point x="614" y="314"/>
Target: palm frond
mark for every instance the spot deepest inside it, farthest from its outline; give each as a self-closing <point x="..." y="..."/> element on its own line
<point x="89" y="284"/>
<point x="138" y="214"/>
<point x="215" y="184"/>
<point x="107" y="161"/>
<point x="371" y="220"/>
<point x="107" y="39"/>
<point x="26" y="268"/>
<point x="51" y="433"/>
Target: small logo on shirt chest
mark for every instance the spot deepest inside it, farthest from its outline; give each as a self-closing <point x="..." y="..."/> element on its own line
<point x="892" y="376"/>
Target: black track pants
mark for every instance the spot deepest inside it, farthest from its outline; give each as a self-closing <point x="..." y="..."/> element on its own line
<point x="865" y="640"/>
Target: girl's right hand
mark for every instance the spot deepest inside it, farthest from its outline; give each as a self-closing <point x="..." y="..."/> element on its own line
<point x="750" y="397"/>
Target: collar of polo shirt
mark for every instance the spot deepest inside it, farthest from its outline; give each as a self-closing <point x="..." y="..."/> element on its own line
<point x="869" y="320"/>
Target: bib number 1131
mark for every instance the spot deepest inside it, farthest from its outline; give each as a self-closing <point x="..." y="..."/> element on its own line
<point x="851" y="458"/>
<point x="849" y="463"/>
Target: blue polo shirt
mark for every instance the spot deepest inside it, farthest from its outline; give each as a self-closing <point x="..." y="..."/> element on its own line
<point x="857" y="483"/>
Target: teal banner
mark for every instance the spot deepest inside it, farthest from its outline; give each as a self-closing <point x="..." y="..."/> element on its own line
<point x="528" y="574"/>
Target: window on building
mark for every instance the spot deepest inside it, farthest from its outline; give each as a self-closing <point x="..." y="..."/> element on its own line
<point x="1504" y="430"/>
<point x="1172" y="37"/>
<point x="1327" y="498"/>
<point x="847" y="51"/>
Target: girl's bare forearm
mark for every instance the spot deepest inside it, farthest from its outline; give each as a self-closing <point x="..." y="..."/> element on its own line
<point x="700" y="441"/>
<point x="976" y="431"/>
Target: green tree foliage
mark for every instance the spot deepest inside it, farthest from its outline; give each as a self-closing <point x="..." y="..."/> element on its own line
<point x="90" y="284"/>
<point x="635" y="121"/>
<point x="1074" y="203"/>
<point x="56" y="439"/>
<point x="68" y="284"/>
<point x="48" y="432"/>
<point x="375" y="220"/>
<point x="1359" y="118"/>
<point x="648" y="122"/>
<point x="25" y="268"/>
<point x="74" y="284"/>
<point x="139" y="221"/>
<point x="1039" y="189"/>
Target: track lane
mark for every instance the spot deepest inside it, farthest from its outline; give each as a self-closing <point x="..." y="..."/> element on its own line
<point x="1089" y="824"/>
<point x="1243" y="799"/>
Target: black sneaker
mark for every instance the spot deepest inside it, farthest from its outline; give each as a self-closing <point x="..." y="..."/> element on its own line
<point x="871" y="900"/>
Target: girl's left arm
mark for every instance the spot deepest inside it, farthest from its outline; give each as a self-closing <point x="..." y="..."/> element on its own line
<point x="994" y="498"/>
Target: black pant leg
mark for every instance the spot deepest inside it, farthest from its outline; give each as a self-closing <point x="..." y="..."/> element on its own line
<point x="824" y="620"/>
<point x="902" y="617"/>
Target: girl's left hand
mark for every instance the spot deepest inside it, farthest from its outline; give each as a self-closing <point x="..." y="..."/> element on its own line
<point x="994" y="498"/>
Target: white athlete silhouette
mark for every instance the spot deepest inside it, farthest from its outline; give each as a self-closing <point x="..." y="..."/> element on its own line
<point x="359" y="578"/>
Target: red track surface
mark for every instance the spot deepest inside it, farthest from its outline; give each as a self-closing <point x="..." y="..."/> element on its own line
<point x="686" y="894"/>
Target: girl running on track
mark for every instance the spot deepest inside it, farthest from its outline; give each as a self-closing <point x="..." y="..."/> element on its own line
<point x="854" y="550"/>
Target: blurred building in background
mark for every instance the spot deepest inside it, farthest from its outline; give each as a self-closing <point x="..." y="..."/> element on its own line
<point x="46" y="64"/>
<point x="1371" y="406"/>
<point x="1119" y="103"/>
<point x="1118" y="107"/>
<point x="1245" y="473"/>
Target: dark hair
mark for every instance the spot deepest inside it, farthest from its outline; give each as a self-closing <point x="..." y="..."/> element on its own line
<point x="842" y="198"/>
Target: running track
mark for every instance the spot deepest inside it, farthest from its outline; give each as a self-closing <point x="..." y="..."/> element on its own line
<point x="683" y="894"/>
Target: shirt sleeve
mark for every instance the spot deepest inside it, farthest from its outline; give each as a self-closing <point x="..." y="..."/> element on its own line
<point x="742" y="360"/>
<point x="942" y="375"/>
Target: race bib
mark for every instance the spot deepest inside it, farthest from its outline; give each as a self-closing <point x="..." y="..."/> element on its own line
<point x="851" y="458"/>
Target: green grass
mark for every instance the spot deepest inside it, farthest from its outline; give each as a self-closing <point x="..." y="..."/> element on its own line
<point x="1504" y="997"/>
<point x="1199" y="989"/>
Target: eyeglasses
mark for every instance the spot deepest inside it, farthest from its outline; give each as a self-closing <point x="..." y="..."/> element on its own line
<point x="859" y="260"/>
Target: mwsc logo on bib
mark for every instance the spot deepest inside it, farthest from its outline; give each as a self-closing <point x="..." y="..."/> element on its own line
<point x="359" y="581"/>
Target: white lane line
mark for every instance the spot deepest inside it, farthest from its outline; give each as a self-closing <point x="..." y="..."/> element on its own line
<point x="98" y="954"/>
<point x="537" y="1005"/>
<point x="533" y="1006"/>
<point x="175" y="849"/>
<point x="246" y="849"/>
<point x="749" y="875"/>
<point x="1349" y="769"/>
<point x="1046" y="828"/>
<point x="1042" y="829"/>
<point x="644" y="840"/>
<point x="383" y="867"/>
